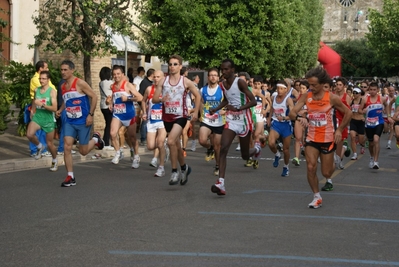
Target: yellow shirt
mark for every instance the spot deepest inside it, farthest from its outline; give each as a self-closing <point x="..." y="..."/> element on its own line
<point x="34" y="83"/>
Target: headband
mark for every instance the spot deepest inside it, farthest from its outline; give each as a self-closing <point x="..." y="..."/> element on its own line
<point x="281" y="85"/>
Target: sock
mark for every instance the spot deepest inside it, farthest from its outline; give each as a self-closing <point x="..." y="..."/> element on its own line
<point x="183" y="167"/>
<point x="54" y="160"/>
<point x="70" y="174"/>
<point x="329" y="181"/>
<point x="317" y="195"/>
<point x="278" y="154"/>
<point x="40" y="145"/>
<point x="119" y="151"/>
<point x="389" y="141"/>
<point x="221" y="180"/>
<point x="174" y="170"/>
<point x="95" y="139"/>
<point x="345" y="147"/>
<point x="161" y="167"/>
<point x="132" y="149"/>
<point x="286" y="166"/>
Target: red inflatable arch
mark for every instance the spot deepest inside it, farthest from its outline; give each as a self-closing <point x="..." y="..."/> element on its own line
<point x="330" y="60"/>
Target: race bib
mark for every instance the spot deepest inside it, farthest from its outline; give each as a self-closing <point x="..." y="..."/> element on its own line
<point x="235" y="115"/>
<point x="173" y="107"/>
<point x="279" y="112"/>
<point x="355" y="107"/>
<point x="317" y="119"/>
<point x="74" y="112"/>
<point x="258" y="109"/>
<point x="156" y="114"/>
<point x="372" y="121"/>
<point x="43" y="101"/>
<point x="119" y="108"/>
<point x="212" y="118"/>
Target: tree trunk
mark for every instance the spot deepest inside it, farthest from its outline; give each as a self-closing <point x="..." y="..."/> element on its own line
<point x="87" y="68"/>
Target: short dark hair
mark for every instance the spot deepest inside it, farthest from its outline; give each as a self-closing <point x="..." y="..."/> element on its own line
<point x="319" y="73"/>
<point x="228" y="60"/>
<point x="282" y="82"/>
<point x="303" y="82"/>
<point x="47" y="73"/>
<point x="69" y="64"/>
<point x="140" y="69"/>
<point x="179" y="58"/>
<point x="118" y="67"/>
<point x="150" y="72"/>
<point x="373" y="84"/>
<point x="39" y="64"/>
<point x="213" y="69"/>
<point x="243" y="73"/>
<point x="183" y="70"/>
<point x="258" y="78"/>
<point x="342" y="80"/>
<point x="194" y="77"/>
<point x="105" y="73"/>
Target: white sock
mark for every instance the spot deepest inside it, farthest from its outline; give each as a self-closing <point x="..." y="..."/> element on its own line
<point x="221" y="180"/>
<point x="54" y="160"/>
<point x="40" y="145"/>
<point x="70" y="174"/>
<point x="286" y="166"/>
<point x="278" y="154"/>
<point x="329" y="181"/>
<point x="95" y="139"/>
<point x="317" y="195"/>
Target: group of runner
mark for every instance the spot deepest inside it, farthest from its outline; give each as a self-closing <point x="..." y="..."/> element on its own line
<point x="315" y="110"/>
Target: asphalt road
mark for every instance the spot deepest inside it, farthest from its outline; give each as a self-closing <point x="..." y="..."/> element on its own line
<point x="117" y="216"/>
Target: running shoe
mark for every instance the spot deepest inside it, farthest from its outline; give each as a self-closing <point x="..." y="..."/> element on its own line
<point x="131" y="155"/>
<point x="280" y="146"/>
<point x="376" y="166"/>
<point x="69" y="181"/>
<point x="39" y="151"/>
<point x="117" y="157"/>
<point x="255" y="164"/>
<point x="316" y="203"/>
<point x="160" y="172"/>
<point x="371" y="163"/>
<point x="249" y="163"/>
<point x="327" y="187"/>
<point x="100" y="142"/>
<point x="354" y="157"/>
<point x="295" y="161"/>
<point x="389" y="144"/>
<point x="213" y="154"/>
<point x="347" y="152"/>
<point x="208" y="155"/>
<point x="54" y="166"/>
<point x="341" y="165"/>
<point x="219" y="188"/>
<point x="302" y="151"/>
<point x="46" y="154"/>
<point x="286" y="172"/>
<point x="276" y="161"/>
<point x="362" y="150"/>
<point x="258" y="151"/>
<point x="216" y="171"/>
<point x="238" y="148"/>
<point x="136" y="162"/>
<point x="174" y="178"/>
<point x="154" y="163"/>
<point x="193" y="145"/>
<point x="184" y="175"/>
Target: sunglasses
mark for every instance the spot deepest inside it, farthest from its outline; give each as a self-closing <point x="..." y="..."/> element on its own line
<point x="173" y="64"/>
<point x="355" y="93"/>
<point x="364" y="86"/>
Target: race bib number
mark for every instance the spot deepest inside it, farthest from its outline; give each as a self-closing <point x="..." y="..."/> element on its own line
<point x="212" y="118"/>
<point x="258" y="108"/>
<point x="235" y="115"/>
<point x="317" y="119"/>
<point x="119" y="108"/>
<point x="279" y="112"/>
<point x="156" y="114"/>
<point x="173" y="107"/>
<point x="372" y="121"/>
<point x="74" y="112"/>
<point x="42" y="101"/>
<point x="355" y="107"/>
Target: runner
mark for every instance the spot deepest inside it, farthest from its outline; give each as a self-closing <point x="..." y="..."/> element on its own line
<point x="174" y="114"/>
<point x="322" y="136"/>
<point x="237" y="102"/>
<point x="373" y="105"/>
<point x="123" y="113"/>
<point x="79" y="111"/>
<point x="156" y="133"/>
<point x="44" y="104"/>
<point x="280" y="125"/>
<point x="357" y="123"/>
<point x="212" y="125"/>
<point x="299" y="130"/>
<point x="388" y="126"/>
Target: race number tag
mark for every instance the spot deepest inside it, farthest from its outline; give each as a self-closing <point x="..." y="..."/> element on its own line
<point x="355" y="107"/>
<point x="317" y="119"/>
<point x="212" y="118"/>
<point x="258" y="108"/>
<point x="372" y="121"/>
<point x="74" y="112"/>
<point x="173" y="107"/>
<point x="42" y="101"/>
<point x="119" y="108"/>
<point x="279" y="112"/>
<point x="235" y="115"/>
<point x="156" y="114"/>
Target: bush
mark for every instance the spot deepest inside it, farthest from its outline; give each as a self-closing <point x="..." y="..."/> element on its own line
<point x="5" y="101"/>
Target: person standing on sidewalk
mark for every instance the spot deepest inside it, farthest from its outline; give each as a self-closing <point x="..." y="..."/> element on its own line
<point x="79" y="112"/>
<point x="44" y="104"/>
<point x="322" y="135"/>
<point x="174" y="89"/>
<point x="105" y="91"/>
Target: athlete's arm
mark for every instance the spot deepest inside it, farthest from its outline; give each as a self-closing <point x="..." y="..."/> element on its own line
<point x="362" y="108"/>
<point x="295" y="110"/>
<point x="269" y="119"/>
<point x="53" y="95"/>
<point x="290" y="105"/>
<point x="197" y="98"/>
<point x="85" y="88"/>
<point x="144" y="102"/>
<point x="221" y="105"/>
<point x="242" y="85"/>
<point x="137" y="97"/>
<point x="157" y="93"/>
<point x="337" y="103"/>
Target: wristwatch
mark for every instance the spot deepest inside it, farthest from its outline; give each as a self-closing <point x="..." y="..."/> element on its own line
<point x="298" y="116"/>
<point x="91" y="114"/>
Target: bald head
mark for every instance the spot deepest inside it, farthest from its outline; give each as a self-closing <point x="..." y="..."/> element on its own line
<point x="158" y="75"/>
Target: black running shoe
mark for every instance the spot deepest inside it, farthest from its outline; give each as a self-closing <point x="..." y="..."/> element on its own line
<point x="69" y="181"/>
<point x="327" y="187"/>
<point x="184" y="176"/>
<point x="100" y="143"/>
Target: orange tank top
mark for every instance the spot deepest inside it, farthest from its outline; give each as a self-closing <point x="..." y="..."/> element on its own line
<point x="320" y="115"/>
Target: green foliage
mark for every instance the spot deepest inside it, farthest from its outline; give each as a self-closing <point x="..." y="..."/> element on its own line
<point x="384" y="35"/>
<point x="359" y="60"/>
<point x="3" y="24"/>
<point x="5" y="101"/>
<point x="274" y="38"/>
<point x="79" y="26"/>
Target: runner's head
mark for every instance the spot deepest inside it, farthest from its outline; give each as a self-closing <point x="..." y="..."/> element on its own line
<point x="67" y="69"/>
<point x="118" y="73"/>
<point x="228" y="68"/>
<point x="213" y="76"/>
<point x="175" y="64"/>
<point x="158" y="74"/>
<point x="317" y="78"/>
<point x="281" y="88"/>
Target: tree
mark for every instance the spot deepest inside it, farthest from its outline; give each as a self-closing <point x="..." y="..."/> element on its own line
<point x="383" y="33"/>
<point x="82" y="26"/>
<point x="359" y="60"/>
<point x="276" y="38"/>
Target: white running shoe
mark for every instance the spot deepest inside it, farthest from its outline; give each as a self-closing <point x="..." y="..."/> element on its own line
<point x="174" y="178"/>
<point x="218" y="188"/>
<point x="154" y="163"/>
<point x="38" y="154"/>
<point x="117" y="157"/>
<point x="354" y="156"/>
<point x="136" y="162"/>
<point x="238" y="148"/>
<point x="371" y="163"/>
<point x="160" y="172"/>
<point x="54" y="166"/>
<point x="316" y="203"/>
<point x="376" y="166"/>
<point x="193" y="145"/>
